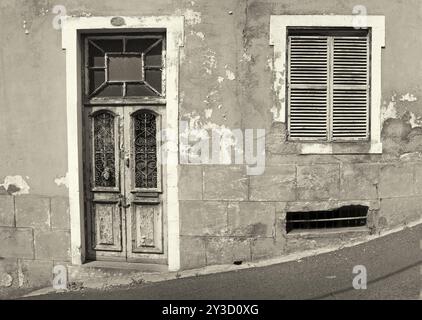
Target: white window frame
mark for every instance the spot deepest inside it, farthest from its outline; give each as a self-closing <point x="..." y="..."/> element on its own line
<point x="278" y="38"/>
<point x="71" y="29"/>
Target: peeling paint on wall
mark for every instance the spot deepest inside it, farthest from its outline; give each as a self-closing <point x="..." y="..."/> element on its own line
<point x="408" y="97"/>
<point x="246" y="57"/>
<point x="389" y="111"/>
<point x="270" y="64"/>
<point x="208" y="113"/>
<point x="210" y="63"/>
<point x="276" y="114"/>
<point x="412" y="156"/>
<point x="191" y="17"/>
<point x="62" y="181"/>
<point x="211" y="99"/>
<point x="25" y="27"/>
<point x="15" y="185"/>
<point x="195" y="122"/>
<point x="229" y="74"/>
<point x="199" y="34"/>
<point x="197" y="129"/>
<point x="415" y="121"/>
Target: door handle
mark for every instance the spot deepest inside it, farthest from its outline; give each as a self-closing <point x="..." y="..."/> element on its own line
<point x="127" y="162"/>
<point x="123" y="203"/>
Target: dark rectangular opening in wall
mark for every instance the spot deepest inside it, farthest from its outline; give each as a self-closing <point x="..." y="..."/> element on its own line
<point x="344" y="217"/>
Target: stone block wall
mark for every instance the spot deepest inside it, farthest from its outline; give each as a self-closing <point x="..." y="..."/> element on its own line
<point x="227" y="216"/>
<point x="226" y="81"/>
<point x="34" y="236"/>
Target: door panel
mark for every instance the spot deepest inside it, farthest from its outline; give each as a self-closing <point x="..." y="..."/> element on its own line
<point x="105" y="219"/>
<point x="146" y="223"/>
<point x="146" y="231"/>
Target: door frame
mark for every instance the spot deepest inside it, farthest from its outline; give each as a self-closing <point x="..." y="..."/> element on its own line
<point x="72" y="28"/>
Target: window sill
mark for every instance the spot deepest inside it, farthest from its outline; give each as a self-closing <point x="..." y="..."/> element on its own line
<point x="340" y="148"/>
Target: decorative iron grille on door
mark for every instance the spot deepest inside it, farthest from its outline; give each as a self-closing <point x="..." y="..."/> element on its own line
<point x="124" y="103"/>
<point x="145" y="151"/>
<point x="104" y="132"/>
<point x="328" y="85"/>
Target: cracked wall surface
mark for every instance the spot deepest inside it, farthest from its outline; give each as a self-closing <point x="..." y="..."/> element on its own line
<point x="226" y="82"/>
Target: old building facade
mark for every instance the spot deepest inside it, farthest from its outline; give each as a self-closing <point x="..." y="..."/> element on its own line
<point x="112" y="112"/>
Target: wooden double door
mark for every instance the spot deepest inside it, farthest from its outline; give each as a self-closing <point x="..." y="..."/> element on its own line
<point x="125" y="218"/>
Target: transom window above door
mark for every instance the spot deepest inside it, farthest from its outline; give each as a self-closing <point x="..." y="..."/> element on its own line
<point x="328" y="84"/>
<point x="124" y="67"/>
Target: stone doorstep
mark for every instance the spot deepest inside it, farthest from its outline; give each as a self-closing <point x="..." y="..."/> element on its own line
<point x="106" y="274"/>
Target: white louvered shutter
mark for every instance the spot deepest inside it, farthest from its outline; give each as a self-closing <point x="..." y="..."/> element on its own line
<point x="328" y="88"/>
<point x="350" y="118"/>
<point x="308" y="87"/>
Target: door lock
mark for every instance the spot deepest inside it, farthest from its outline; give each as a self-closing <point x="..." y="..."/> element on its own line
<point x="123" y="203"/>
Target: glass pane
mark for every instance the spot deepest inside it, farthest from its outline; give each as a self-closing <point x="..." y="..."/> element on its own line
<point x="125" y="68"/>
<point x="145" y="131"/>
<point x="104" y="151"/>
<point x="139" y="45"/>
<point x="109" y="45"/>
<point x="154" y="57"/>
<point x="96" y="79"/>
<point x="138" y="90"/>
<point x="96" y="56"/>
<point x="114" y="90"/>
<point x="153" y="77"/>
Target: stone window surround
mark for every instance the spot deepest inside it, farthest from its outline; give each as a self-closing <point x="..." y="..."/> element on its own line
<point x="278" y="39"/>
<point x="71" y="29"/>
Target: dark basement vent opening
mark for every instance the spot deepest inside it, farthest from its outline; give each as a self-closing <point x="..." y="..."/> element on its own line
<point x="344" y="217"/>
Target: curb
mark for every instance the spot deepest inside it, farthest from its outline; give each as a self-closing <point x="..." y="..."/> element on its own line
<point x="138" y="278"/>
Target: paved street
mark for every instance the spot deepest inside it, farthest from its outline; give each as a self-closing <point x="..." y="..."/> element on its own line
<point x="393" y="265"/>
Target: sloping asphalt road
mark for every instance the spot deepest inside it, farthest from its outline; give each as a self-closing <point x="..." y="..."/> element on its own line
<point x="393" y="266"/>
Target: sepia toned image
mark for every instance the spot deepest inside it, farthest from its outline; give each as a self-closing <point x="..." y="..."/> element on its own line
<point x="199" y="150"/>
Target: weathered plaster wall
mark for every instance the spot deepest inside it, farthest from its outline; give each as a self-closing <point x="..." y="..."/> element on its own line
<point x="226" y="82"/>
<point x="241" y="218"/>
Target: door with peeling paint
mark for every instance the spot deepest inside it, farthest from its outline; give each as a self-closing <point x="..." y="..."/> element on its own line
<point x="124" y="111"/>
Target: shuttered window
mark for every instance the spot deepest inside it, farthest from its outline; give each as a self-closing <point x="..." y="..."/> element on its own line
<point x="328" y="85"/>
